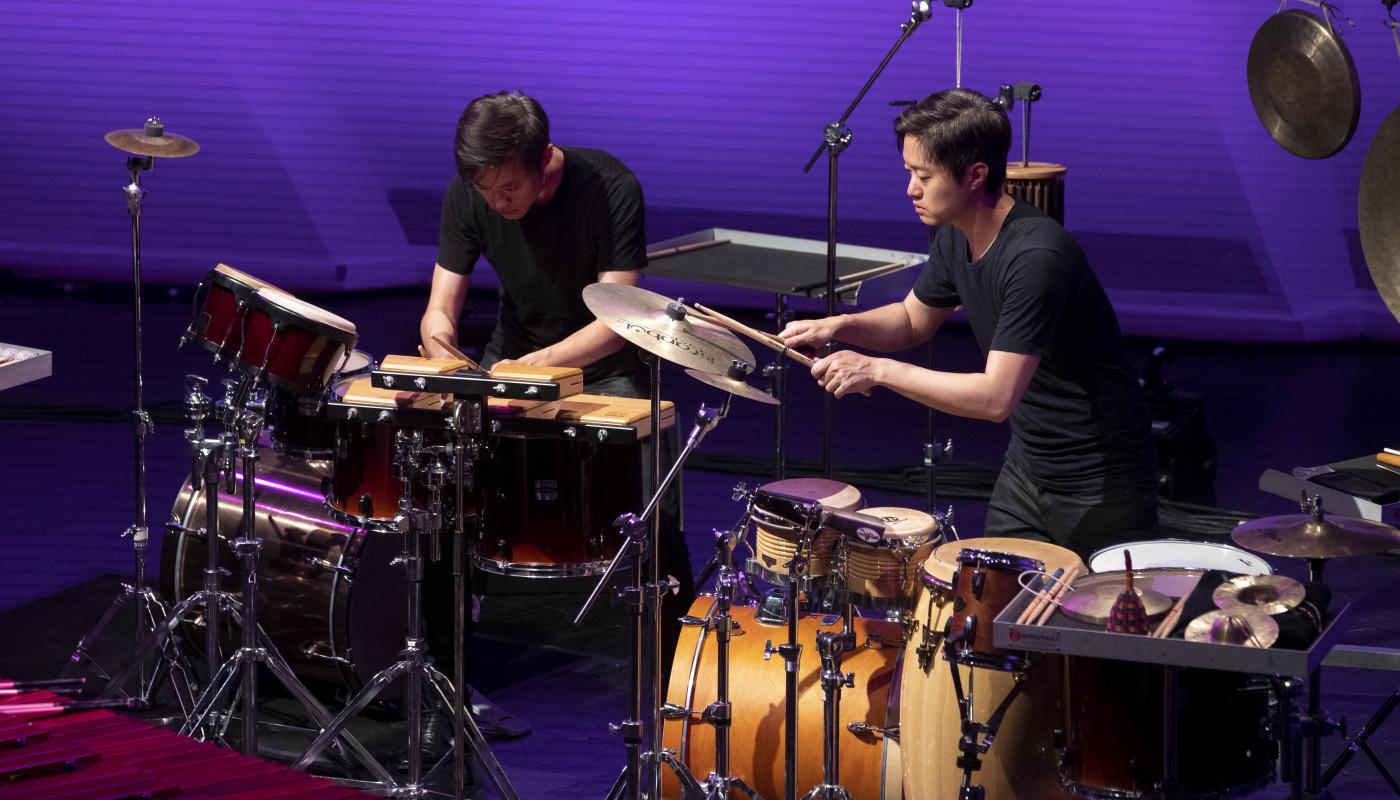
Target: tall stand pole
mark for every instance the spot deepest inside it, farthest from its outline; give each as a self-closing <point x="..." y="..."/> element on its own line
<point x="836" y="137"/>
<point x="141" y="421"/>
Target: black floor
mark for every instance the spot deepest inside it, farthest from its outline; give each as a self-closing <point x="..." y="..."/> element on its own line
<point x="66" y="482"/>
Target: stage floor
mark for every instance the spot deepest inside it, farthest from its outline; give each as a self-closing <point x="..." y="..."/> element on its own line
<point x="65" y="480"/>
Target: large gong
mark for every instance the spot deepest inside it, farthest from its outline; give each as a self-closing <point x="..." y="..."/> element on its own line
<point x="1378" y="211"/>
<point x="1303" y="84"/>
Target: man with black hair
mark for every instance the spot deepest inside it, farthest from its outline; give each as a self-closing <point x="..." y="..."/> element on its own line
<point x="1080" y="469"/>
<point x="551" y="220"/>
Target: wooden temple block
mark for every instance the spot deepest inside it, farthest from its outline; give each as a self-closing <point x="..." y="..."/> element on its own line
<point x="361" y="393"/>
<point x="422" y="366"/>
<point x="631" y="412"/>
<point x="569" y="379"/>
<point x="529" y="409"/>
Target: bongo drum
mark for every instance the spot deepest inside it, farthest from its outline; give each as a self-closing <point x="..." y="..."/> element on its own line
<point x="1039" y="183"/>
<point x="216" y="323"/>
<point x="883" y="574"/>
<point x="297" y="345"/>
<point x="776" y="540"/>
<point x="1022" y="763"/>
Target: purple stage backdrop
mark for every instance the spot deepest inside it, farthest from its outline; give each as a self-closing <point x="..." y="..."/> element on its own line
<point x="326" y="130"/>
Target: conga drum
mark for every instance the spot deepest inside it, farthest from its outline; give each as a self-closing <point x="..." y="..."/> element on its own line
<point x="1039" y="183"/>
<point x="869" y="764"/>
<point x="1022" y="763"/>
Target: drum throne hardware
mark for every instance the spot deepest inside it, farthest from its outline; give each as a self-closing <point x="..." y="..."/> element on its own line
<point x="416" y="667"/>
<point x="721" y="783"/>
<point x="143" y="146"/>
<point x="836" y="137"/>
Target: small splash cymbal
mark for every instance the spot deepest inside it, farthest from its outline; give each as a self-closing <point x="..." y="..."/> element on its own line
<point x="1242" y="626"/>
<point x="152" y="140"/>
<point x="1094" y="604"/>
<point x="734" y="383"/>
<point x="1268" y="594"/>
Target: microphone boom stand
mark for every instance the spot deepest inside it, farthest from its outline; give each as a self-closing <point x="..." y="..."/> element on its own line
<point x="836" y="137"/>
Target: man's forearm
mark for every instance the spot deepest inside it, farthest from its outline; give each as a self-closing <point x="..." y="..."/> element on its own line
<point x="588" y="344"/>
<point x="886" y="329"/>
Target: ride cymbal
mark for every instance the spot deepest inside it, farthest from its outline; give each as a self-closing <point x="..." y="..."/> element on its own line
<point x="152" y="140"/>
<point x="1241" y="626"/>
<point x="1269" y="594"/>
<point x="1315" y="536"/>
<point x="664" y="328"/>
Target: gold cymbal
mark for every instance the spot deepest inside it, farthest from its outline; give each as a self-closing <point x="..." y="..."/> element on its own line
<point x="734" y="384"/>
<point x="1315" y="536"/>
<point x="1268" y="594"/>
<point x="1092" y="604"/>
<point x="152" y="140"/>
<point x="1242" y="626"/>
<point x="664" y="328"/>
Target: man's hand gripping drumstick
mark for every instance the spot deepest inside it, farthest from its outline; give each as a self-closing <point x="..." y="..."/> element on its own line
<point x="785" y="347"/>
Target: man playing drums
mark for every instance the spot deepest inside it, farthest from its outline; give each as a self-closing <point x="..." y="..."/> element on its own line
<point x="1080" y="469"/>
<point x="551" y="220"/>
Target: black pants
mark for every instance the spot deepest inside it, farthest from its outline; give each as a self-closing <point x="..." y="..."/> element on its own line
<point x="1083" y="522"/>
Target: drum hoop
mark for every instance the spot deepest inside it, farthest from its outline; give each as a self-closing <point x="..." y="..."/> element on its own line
<point x="1216" y="546"/>
<point x="269" y="304"/>
<point x="995" y="559"/>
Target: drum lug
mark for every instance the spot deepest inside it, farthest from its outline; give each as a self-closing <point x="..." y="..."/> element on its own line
<point x="327" y="565"/>
<point x="693" y="621"/>
<point x="869" y="732"/>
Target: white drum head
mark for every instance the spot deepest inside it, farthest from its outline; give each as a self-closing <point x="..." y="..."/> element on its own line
<point x="1182" y="554"/>
<point x="301" y="308"/>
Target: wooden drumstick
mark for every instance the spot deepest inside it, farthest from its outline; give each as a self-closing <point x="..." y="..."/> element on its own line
<point x="1164" y="629"/>
<point x="1043" y="598"/>
<point x="1060" y="591"/>
<point x="446" y="345"/>
<point x="1036" y="603"/>
<point x="766" y="339"/>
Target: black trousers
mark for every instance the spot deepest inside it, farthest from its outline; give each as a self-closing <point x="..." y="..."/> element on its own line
<point x="1084" y="522"/>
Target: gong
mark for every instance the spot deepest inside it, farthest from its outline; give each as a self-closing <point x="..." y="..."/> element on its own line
<point x="1303" y="84"/>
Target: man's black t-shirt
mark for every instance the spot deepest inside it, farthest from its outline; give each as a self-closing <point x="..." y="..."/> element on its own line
<point x="1082" y="423"/>
<point x="594" y="223"/>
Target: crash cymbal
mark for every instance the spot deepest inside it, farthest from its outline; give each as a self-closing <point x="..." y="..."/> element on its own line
<point x="1378" y="211"/>
<point x="1303" y="84"/>
<point x="1269" y="594"/>
<point x="733" y="381"/>
<point x="1242" y="626"/>
<point x="1092" y="604"/>
<point x="152" y="140"/>
<point x="664" y="327"/>
<point x="1315" y="536"/>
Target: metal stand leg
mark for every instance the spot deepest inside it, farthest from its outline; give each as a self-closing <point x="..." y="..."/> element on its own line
<point x="831" y="646"/>
<point x="1359" y="742"/>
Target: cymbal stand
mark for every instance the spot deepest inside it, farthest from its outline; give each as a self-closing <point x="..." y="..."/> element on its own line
<point x="466" y="430"/>
<point x="149" y="608"/>
<point x="808" y="522"/>
<point x="776" y="372"/>
<point x="836" y="137"/>
<point x="720" y="783"/>
<point x="644" y="600"/>
<point x="416" y="666"/>
<point x="831" y="646"/>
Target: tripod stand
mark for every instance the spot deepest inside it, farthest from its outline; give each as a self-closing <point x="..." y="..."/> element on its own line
<point x="416" y="667"/>
<point x="144" y="145"/>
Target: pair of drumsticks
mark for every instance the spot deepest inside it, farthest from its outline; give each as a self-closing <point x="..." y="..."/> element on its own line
<point x="446" y="345"/>
<point x="1047" y="600"/>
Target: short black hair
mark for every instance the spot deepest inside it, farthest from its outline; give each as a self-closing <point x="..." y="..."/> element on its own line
<point x="958" y="128"/>
<point x="496" y="129"/>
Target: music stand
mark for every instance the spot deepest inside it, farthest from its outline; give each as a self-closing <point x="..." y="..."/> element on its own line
<point x="784" y="266"/>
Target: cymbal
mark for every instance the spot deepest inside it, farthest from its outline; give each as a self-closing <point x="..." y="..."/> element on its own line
<point x="735" y="385"/>
<point x="1303" y="84"/>
<point x="1241" y="626"/>
<point x="1268" y="594"/>
<point x="152" y="140"/>
<point x="664" y="328"/>
<point x="1092" y="604"/>
<point x="1315" y="536"/>
<point x="1378" y="209"/>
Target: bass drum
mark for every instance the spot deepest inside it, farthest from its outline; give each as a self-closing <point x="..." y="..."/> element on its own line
<point x="870" y="764"/>
<point x="327" y="595"/>
<point x="1022" y="763"/>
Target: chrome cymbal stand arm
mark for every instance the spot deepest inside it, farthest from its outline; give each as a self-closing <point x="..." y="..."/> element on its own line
<point x="639" y="597"/>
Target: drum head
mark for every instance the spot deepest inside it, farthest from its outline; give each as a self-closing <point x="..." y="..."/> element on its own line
<point x="1182" y="554"/>
<point x="904" y="526"/>
<point x="942" y="566"/>
<point x="242" y="278"/>
<point x="836" y="494"/>
<point x="293" y="308"/>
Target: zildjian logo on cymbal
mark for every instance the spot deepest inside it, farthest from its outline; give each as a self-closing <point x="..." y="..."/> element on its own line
<point x="666" y="338"/>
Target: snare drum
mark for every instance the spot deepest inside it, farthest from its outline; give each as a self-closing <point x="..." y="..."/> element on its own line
<point x="1022" y="762"/>
<point x="1180" y="553"/>
<point x="297" y="345"/>
<point x="883" y="574"/>
<point x="299" y="425"/>
<point x="776" y="539"/>
<point x="216" y="323"/>
<point x="869" y="764"/>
